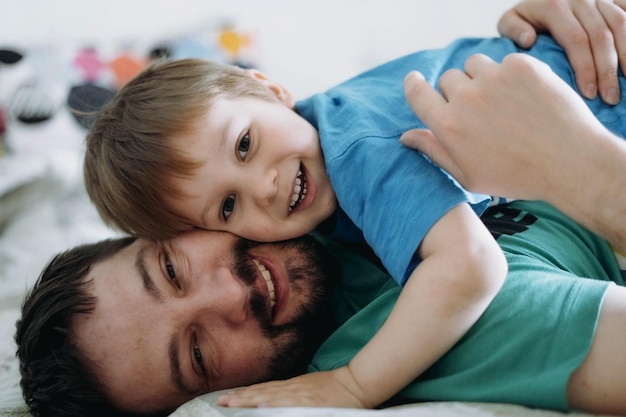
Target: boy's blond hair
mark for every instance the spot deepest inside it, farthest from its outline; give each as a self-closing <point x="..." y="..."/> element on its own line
<point x="129" y="160"/>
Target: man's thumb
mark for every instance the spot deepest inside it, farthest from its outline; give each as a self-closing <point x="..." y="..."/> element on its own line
<point x="516" y="28"/>
<point x="424" y="141"/>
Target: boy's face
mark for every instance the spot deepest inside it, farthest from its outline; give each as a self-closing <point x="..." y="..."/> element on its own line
<point x="262" y="174"/>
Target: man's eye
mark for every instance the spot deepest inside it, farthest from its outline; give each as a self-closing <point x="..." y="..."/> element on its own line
<point x="171" y="273"/>
<point x="243" y="147"/>
<point x="228" y="206"/>
<point x="197" y="354"/>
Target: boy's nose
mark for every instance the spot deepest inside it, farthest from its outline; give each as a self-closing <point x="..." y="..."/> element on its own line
<point x="265" y="187"/>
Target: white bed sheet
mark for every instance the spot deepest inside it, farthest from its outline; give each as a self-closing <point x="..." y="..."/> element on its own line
<point x="43" y="210"/>
<point x="206" y="406"/>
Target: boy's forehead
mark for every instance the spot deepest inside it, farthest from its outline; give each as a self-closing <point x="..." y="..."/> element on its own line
<point x="213" y="125"/>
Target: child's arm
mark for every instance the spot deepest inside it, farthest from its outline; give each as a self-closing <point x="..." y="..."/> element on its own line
<point x="461" y="271"/>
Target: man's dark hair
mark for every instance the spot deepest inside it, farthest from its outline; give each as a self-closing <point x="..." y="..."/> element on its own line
<point x="57" y="378"/>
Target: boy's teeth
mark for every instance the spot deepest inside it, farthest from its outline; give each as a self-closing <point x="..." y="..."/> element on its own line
<point x="267" y="276"/>
<point x="299" y="190"/>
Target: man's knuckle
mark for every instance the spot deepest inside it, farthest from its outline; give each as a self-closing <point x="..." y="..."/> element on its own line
<point x="578" y="38"/>
<point x="561" y="6"/>
<point x="609" y="75"/>
<point x="448" y="123"/>
<point x="618" y="21"/>
<point x="601" y="35"/>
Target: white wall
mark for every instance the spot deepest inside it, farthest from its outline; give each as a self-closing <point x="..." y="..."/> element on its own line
<point x="306" y="45"/>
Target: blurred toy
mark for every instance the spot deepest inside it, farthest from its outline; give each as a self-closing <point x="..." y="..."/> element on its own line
<point x="2" y="130"/>
<point x="50" y="94"/>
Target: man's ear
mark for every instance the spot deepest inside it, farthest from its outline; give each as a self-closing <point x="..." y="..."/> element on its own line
<point x="281" y="93"/>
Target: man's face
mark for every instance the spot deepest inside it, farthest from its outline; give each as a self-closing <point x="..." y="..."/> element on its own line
<point x="202" y="312"/>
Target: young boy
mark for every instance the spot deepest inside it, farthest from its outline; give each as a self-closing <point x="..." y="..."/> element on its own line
<point x="193" y="144"/>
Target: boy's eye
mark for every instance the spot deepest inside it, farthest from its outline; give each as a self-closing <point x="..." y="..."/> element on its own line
<point x="228" y="206"/>
<point x="243" y="146"/>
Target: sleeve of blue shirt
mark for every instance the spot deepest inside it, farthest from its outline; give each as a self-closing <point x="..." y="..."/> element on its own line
<point x="394" y="194"/>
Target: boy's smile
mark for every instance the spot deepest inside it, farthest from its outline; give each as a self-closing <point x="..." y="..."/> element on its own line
<point x="299" y="190"/>
<point x="260" y="175"/>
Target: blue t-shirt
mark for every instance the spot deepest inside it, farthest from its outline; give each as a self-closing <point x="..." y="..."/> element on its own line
<point x="392" y="194"/>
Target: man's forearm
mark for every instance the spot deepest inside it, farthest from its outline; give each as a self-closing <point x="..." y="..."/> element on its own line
<point x="595" y="194"/>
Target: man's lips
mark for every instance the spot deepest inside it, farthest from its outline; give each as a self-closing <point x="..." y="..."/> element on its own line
<point x="275" y="281"/>
<point x="267" y="277"/>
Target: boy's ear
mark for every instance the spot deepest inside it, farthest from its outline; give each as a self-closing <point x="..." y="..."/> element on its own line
<point x="278" y="90"/>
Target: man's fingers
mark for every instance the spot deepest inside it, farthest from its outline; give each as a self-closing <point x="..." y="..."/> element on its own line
<point x="603" y="49"/>
<point x="516" y="28"/>
<point x="620" y="3"/>
<point x="614" y="15"/>
<point x="421" y="96"/>
<point x="478" y="63"/>
<point x="424" y="141"/>
<point x="451" y="81"/>
<point x="568" y="31"/>
<point x="574" y="39"/>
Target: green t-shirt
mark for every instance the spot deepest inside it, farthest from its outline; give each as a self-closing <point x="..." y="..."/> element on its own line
<point x="534" y="334"/>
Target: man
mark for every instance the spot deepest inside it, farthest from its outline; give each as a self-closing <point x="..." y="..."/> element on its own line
<point x="150" y="325"/>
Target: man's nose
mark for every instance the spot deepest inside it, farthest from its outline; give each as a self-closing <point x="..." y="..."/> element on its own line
<point x="219" y="296"/>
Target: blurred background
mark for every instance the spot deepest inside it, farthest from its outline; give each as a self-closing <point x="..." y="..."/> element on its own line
<point x="62" y="54"/>
<point x="308" y="45"/>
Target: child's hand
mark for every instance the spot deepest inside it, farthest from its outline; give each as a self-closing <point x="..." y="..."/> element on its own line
<point x="319" y="389"/>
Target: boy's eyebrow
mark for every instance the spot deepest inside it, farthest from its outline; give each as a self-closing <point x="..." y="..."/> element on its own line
<point x="148" y="283"/>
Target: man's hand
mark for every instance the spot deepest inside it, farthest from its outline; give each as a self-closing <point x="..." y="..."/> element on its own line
<point x="510" y="129"/>
<point x="593" y="33"/>
<point x="517" y="130"/>
<point x="319" y="389"/>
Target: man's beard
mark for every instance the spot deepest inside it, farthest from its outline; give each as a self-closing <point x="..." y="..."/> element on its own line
<point x="311" y="271"/>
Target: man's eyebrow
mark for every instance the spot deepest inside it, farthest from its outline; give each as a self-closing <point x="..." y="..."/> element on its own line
<point x="177" y="375"/>
<point x="148" y="283"/>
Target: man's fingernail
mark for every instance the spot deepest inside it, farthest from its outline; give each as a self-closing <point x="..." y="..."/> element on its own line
<point x="414" y="76"/>
<point x="407" y="140"/>
<point x="590" y="91"/>
<point x="523" y="39"/>
<point x="612" y="96"/>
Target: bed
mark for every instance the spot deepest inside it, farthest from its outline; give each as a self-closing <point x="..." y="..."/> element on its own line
<point x="44" y="207"/>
